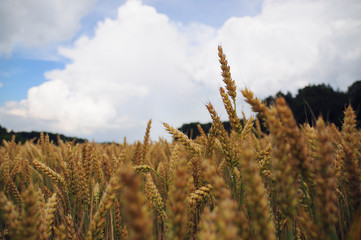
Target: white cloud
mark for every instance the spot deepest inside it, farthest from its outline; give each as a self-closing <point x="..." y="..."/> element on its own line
<point x="142" y="65"/>
<point x="39" y="22"/>
<point x="1" y="84"/>
<point x="293" y="43"/>
<point x="136" y="67"/>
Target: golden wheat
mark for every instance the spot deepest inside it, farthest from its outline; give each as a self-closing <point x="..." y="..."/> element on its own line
<point x="290" y="182"/>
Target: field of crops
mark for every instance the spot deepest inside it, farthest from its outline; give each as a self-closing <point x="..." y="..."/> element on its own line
<point x="290" y="182"/>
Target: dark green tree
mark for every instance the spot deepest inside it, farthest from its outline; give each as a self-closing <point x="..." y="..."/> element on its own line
<point x="319" y="100"/>
<point x="354" y="95"/>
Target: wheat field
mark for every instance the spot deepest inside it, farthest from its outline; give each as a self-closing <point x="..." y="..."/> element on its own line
<point x="288" y="182"/>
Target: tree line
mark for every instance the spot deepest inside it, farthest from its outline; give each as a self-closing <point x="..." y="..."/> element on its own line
<point x="34" y="136"/>
<point x="307" y="105"/>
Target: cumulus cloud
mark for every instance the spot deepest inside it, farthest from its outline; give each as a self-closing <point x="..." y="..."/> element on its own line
<point x="143" y="65"/>
<point x="38" y="22"/>
<point x="137" y="66"/>
<point x="293" y="43"/>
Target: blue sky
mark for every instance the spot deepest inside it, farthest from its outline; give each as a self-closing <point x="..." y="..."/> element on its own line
<point x="101" y="69"/>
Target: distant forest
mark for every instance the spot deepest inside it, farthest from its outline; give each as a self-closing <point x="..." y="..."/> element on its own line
<point x="310" y="102"/>
<point x="25" y="136"/>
